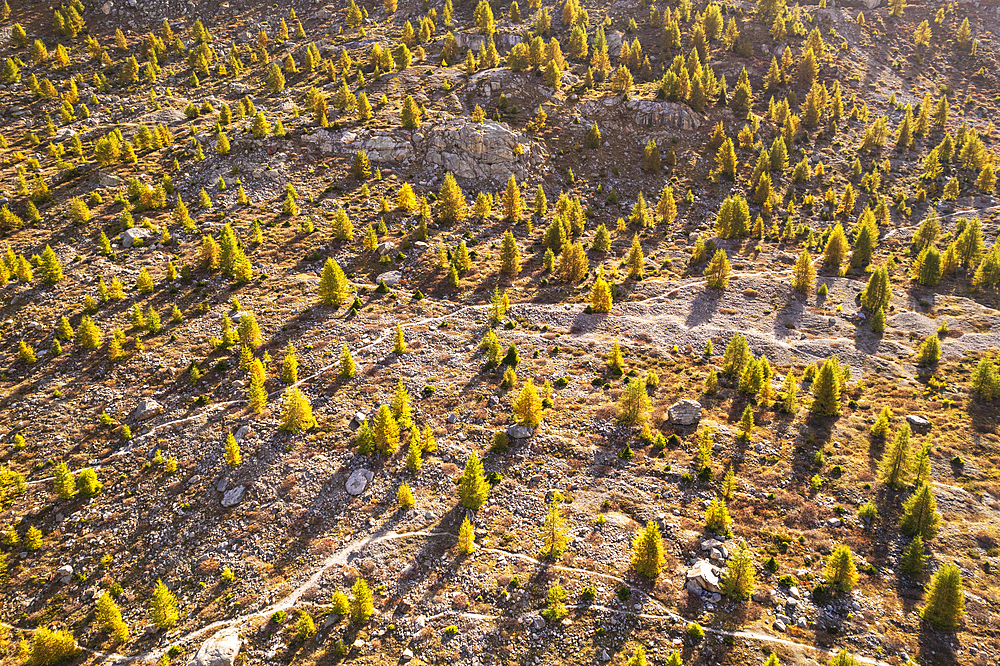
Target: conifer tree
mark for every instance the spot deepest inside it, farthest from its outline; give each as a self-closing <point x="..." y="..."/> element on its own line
<point x="836" y="248"/>
<point x="347" y="367"/>
<point x="410" y="115"/>
<point x="466" y="537"/>
<point x="290" y="365"/>
<point x="717" y="517"/>
<point x="945" y="598"/>
<point x="296" y="412"/>
<point x="386" y="431"/>
<point x="803" y="273"/>
<point x="878" y="292"/>
<point x="88" y="334"/>
<point x="554" y="529"/>
<point x="233" y="455"/>
<point x="527" y="409"/>
<point x="647" y="551"/>
<point x="63" y="482"/>
<point x="895" y="464"/>
<point x="452" y="206"/>
<point x="510" y="255"/>
<point x="513" y="203"/>
<point x="746" y="423"/>
<point x="163" y="607"/>
<point x="109" y="617"/>
<point x="841" y="573"/>
<point x="718" y="271"/>
<point x="920" y="515"/>
<point x="333" y="287"/>
<point x="740" y="577"/>
<point x="473" y="488"/>
<point x="913" y="558"/>
<point x="257" y="395"/>
<point x="881" y="427"/>
<point x="405" y="496"/>
<point x="600" y="296"/>
<point x="826" y="388"/>
<point x="399" y="341"/>
<point x="52" y="272"/>
<point x="790" y="402"/>
<point x="362" y="606"/>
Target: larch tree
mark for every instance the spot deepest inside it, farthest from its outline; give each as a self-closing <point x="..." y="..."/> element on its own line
<point x="841" y="573"/>
<point x="920" y="515"/>
<point x="510" y="255"/>
<point x="945" y="598"/>
<point x="647" y="551"/>
<point x="296" y="412"/>
<point x="473" y="489"/>
<point x="386" y="431"/>
<point x="895" y="465"/>
<point x="163" y="607"/>
<point x="527" y="409"/>
<point x="740" y="577"/>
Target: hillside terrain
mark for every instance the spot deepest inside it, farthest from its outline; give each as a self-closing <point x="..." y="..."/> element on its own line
<point x="460" y="331"/>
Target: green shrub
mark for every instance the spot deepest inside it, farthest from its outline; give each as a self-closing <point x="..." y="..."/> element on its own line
<point x="695" y="631"/>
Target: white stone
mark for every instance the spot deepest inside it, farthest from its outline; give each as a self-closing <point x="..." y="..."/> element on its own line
<point x="705" y="576"/>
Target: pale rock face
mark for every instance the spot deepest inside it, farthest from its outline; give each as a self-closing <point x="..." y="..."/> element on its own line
<point x="358" y="481"/>
<point x="684" y="412"/>
<point x="645" y="112"/>
<point x="147" y="408"/>
<point x="219" y="650"/>
<point x="486" y="151"/>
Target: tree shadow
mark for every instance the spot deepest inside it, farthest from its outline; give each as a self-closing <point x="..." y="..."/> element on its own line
<point x="703" y="307"/>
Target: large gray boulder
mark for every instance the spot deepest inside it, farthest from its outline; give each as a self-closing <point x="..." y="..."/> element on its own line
<point x="147" y="409"/>
<point x="130" y="236"/>
<point x="358" y="481"/>
<point x="684" y="412"/>
<point x="219" y="650"/>
<point x="519" y="432"/>
<point x="233" y="496"/>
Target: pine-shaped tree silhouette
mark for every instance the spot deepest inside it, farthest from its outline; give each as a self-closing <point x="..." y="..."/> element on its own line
<point x="472" y="487"/>
<point x="647" y="551"/>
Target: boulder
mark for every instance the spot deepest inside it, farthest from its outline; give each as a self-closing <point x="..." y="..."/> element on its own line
<point x="358" y="481"/>
<point x="147" y="409"/>
<point x="684" y="412"/>
<point x="385" y="248"/>
<point x="704" y="576"/>
<point x="917" y="422"/>
<point x="357" y="420"/>
<point x="520" y="432"/>
<point x="392" y="278"/>
<point x="233" y="496"/>
<point x="63" y="574"/>
<point x="219" y="650"/>
<point x="129" y="236"/>
<point x="108" y="179"/>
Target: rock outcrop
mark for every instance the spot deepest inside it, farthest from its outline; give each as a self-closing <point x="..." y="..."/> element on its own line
<point x="488" y="151"/>
<point x="684" y="412"/>
<point x="644" y="112"/>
